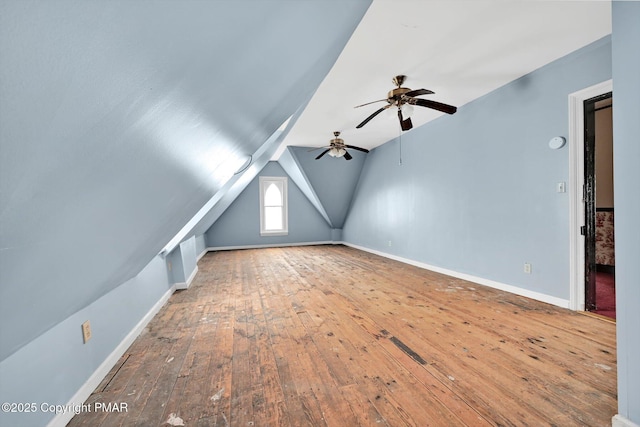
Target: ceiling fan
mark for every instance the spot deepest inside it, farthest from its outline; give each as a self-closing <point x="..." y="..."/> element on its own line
<point x="337" y="148"/>
<point x="404" y="98"/>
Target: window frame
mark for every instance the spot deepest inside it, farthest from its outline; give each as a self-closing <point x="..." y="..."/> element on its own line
<point x="282" y="183"/>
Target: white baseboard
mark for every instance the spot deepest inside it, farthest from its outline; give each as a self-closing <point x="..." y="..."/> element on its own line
<point x="98" y="375"/>
<point x="620" y="421"/>
<point x="203" y="253"/>
<point x="185" y="285"/>
<point x="267" y="245"/>
<point x="564" y="303"/>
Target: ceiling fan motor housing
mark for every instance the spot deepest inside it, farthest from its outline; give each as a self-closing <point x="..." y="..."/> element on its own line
<point x="396" y="96"/>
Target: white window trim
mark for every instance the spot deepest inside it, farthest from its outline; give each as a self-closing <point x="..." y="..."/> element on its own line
<point x="265" y="181"/>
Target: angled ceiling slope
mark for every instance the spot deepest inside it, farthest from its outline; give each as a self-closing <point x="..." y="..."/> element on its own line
<point x="459" y="49"/>
<point x="222" y="199"/>
<point x="290" y="164"/>
<point x="331" y="180"/>
<point x="119" y="121"/>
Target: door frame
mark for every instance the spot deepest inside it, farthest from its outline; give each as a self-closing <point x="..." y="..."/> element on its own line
<point x="576" y="183"/>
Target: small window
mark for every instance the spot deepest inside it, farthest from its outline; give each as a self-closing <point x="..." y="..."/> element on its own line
<point x="273" y="206"/>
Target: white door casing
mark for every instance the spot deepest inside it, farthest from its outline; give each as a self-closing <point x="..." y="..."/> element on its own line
<point x="576" y="182"/>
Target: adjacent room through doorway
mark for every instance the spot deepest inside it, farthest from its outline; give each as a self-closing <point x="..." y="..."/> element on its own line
<point x="599" y="207"/>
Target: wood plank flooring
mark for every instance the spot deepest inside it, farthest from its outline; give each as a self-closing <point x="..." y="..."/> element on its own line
<point x="333" y="336"/>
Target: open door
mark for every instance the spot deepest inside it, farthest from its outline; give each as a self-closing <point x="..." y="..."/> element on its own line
<point x="598" y="206"/>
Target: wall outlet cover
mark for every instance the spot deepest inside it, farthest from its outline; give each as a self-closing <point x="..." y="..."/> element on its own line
<point x="86" y="331"/>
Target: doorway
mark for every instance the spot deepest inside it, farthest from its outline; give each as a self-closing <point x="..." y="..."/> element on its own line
<point x="598" y="229"/>
<point x="576" y="188"/>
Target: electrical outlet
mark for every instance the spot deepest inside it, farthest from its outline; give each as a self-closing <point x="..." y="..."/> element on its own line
<point x="86" y="331"/>
<point x="389" y="243"/>
<point x="527" y="268"/>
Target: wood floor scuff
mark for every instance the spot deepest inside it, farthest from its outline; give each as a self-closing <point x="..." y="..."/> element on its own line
<point x="329" y="336"/>
<point x="174" y="420"/>
<point x="402" y="346"/>
<point x="216" y="397"/>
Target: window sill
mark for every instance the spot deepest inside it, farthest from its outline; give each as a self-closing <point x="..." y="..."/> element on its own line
<point x="274" y="233"/>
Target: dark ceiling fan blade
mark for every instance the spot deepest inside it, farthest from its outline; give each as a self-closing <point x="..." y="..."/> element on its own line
<point x="347" y="156"/>
<point x="405" y="124"/>
<point x="372" y="102"/>
<point x="364" y="150"/>
<point x="322" y="154"/>
<point x="419" y="92"/>
<point x="365" y="121"/>
<point x="449" y="109"/>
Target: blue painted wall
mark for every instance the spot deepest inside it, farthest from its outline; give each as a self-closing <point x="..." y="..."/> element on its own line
<point x="201" y="245"/>
<point x="175" y="266"/>
<point x="476" y="191"/>
<point x="53" y="367"/>
<point x="333" y="179"/>
<point x="239" y="225"/>
<point x="292" y="167"/>
<point x="120" y="120"/>
<point x="189" y="256"/>
<point x="113" y="136"/>
<point x="182" y="262"/>
<point x="626" y="147"/>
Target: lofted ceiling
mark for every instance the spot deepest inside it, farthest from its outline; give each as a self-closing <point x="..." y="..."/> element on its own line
<point x="125" y="127"/>
<point x="122" y="127"/>
<point x="460" y="49"/>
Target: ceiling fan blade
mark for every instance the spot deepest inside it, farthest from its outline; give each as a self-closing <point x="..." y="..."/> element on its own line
<point x="372" y="102"/>
<point x="317" y="148"/>
<point x="322" y="154"/>
<point x="365" y="121"/>
<point x="347" y="156"/>
<point x="364" y="150"/>
<point x="419" y="92"/>
<point x="405" y="124"/>
<point x="449" y="109"/>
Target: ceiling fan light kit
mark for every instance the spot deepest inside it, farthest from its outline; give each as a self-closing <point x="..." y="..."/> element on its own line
<point x="403" y="99"/>
<point x="337" y="152"/>
<point x="337" y="148"/>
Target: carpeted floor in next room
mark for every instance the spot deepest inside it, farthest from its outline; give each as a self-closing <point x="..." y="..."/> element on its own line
<point x="605" y="294"/>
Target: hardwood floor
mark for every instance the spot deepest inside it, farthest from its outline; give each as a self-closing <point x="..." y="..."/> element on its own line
<point x="333" y="336"/>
